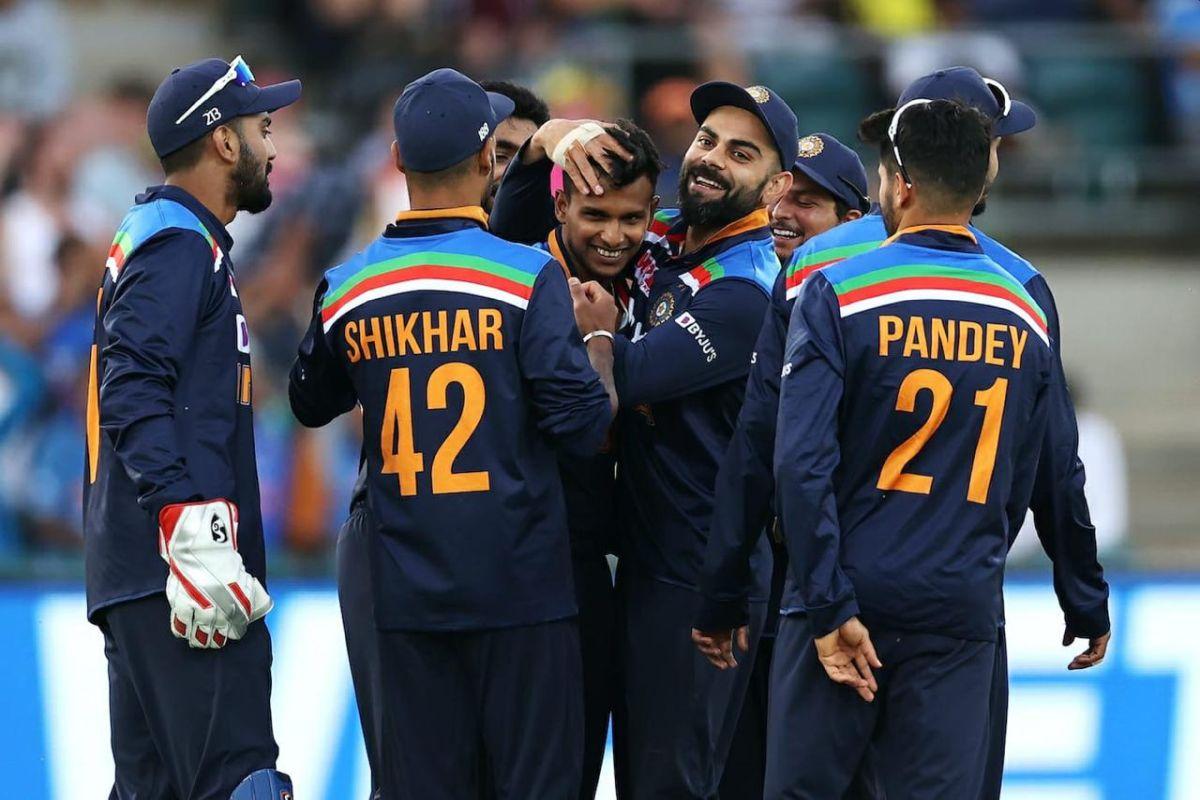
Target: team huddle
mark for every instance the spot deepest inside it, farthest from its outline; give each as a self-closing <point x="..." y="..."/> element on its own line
<point x="807" y="425"/>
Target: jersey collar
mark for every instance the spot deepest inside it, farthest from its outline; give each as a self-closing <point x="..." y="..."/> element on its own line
<point x="942" y="237"/>
<point x="431" y="221"/>
<point x="185" y="199"/>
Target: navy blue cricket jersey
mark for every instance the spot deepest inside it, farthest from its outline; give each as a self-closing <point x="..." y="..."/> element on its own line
<point x="462" y="350"/>
<point x="680" y="384"/>
<point x="680" y="379"/>
<point x="746" y="486"/>
<point x="913" y="401"/>
<point x="169" y="396"/>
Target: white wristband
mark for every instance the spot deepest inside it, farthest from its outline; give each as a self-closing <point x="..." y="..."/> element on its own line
<point x="581" y="133"/>
<point x="606" y="334"/>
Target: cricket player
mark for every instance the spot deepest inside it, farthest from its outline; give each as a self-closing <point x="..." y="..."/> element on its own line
<point x="598" y="238"/>
<point x="829" y="187"/>
<point x="913" y="401"/>
<point x="1058" y="503"/>
<point x="530" y="112"/>
<point x="173" y="533"/>
<point x="465" y="356"/>
<point x="701" y="287"/>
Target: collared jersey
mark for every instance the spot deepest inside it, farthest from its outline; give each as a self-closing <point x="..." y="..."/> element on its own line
<point x="913" y="401"/>
<point x="169" y="395"/>
<point x="746" y="486"/>
<point x="680" y="379"/>
<point x="462" y="350"/>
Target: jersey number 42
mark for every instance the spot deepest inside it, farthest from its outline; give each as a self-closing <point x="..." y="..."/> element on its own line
<point x="400" y="457"/>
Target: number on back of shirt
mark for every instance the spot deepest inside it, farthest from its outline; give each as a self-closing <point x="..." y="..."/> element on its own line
<point x="893" y="477"/>
<point x="400" y="456"/>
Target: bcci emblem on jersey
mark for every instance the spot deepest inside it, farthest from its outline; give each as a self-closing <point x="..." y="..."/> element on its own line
<point x="663" y="310"/>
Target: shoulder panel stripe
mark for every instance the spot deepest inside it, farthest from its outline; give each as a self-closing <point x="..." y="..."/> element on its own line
<point x="909" y="295"/>
<point x="415" y="284"/>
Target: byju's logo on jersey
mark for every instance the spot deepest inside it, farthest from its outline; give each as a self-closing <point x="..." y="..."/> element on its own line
<point x="689" y="324"/>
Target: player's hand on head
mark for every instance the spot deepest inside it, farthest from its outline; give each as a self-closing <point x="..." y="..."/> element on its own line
<point x="1093" y="655"/>
<point x="848" y="657"/>
<point x="212" y="597"/>
<point x="578" y="146"/>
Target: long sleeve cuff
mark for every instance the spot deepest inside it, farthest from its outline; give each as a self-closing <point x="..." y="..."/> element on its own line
<point x="826" y="619"/>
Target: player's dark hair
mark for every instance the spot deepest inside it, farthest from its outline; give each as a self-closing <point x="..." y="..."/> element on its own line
<point x="945" y="146"/>
<point x="645" y="162"/>
<point x="841" y="208"/>
<point x="528" y="105"/>
<point x="184" y="158"/>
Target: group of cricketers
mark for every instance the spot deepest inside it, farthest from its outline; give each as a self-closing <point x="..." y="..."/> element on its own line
<point x="808" y="425"/>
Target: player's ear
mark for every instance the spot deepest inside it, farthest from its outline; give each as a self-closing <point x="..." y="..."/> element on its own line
<point x="487" y="157"/>
<point x="226" y="144"/>
<point x="777" y="186"/>
<point x="396" y="159"/>
<point x="561" y="200"/>
<point x="852" y="214"/>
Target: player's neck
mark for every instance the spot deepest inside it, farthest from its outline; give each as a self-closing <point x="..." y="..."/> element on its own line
<point x="918" y="217"/>
<point x="431" y="198"/>
<point x="210" y="192"/>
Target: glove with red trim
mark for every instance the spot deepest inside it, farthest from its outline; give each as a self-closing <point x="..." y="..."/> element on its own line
<point x="213" y="598"/>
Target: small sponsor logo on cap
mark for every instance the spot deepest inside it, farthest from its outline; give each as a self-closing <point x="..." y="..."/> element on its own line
<point x="483" y="131"/>
<point x="811" y="146"/>
<point x="759" y="93"/>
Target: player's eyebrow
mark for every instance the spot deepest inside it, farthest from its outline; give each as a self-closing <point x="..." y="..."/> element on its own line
<point x="746" y="145"/>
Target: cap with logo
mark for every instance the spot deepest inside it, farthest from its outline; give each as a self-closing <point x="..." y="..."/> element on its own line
<point x="760" y="101"/>
<point x="193" y="100"/>
<point x="444" y="117"/>
<point x="969" y="87"/>
<point x="835" y="168"/>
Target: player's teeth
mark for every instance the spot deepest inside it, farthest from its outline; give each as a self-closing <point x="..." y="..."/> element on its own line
<point x="785" y="233"/>
<point x="608" y="253"/>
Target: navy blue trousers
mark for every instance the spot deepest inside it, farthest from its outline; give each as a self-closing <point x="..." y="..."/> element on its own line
<point x="597" y="621"/>
<point x="928" y="730"/>
<point x="186" y="724"/>
<point x="358" y="622"/>
<point x="511" y="698"/>
<point x="676" y="714"/>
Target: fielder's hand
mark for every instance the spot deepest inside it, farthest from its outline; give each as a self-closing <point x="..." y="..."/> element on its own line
<point x="213" y="598"/>
<point x="848" y="655"/>
<point x="1097" y="648"/>
<point x="717" y="646"/>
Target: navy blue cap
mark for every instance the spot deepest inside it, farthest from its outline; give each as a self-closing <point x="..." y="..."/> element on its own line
<point x="443" y="117"/>
<point x="969" y="87"/>
<point x="760" y="101"/>
<point x="834" y="167"/>
<point x="185" y="107"/>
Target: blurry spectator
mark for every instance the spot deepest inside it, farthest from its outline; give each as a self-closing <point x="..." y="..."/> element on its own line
<point x="35" y="59"/>
<point x="1107" y="487"/>
<point x="1179" y="23"/>
<point x="952" y="43"/>
<point x="894" y="17"/>
<point x="666" y="113"/>
<point x="116" y="160"/>
<point x="48" y="495"/>
<point x="32" y="220"/>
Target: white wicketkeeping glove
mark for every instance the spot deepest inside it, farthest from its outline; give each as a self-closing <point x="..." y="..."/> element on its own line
<point x="213" y="598"/>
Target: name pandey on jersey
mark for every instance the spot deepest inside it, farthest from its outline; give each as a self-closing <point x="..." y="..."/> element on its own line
<point x="952" y="340"/>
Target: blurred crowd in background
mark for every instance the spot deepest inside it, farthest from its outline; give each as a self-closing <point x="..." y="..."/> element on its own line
<point x="1117" y="83"/>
